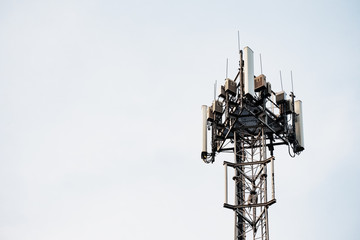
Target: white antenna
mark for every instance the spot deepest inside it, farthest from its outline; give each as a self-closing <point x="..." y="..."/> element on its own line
<point x="215" y="84"/>
<point x="261" y="64"/>
<point x="239" y="41"/>
<point x="227" y="67"/>
<point x="282" y="89"/>
<point x="292" y="83"/>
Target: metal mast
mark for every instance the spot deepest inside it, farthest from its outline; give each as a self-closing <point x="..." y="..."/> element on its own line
<point x="246" y="122"/>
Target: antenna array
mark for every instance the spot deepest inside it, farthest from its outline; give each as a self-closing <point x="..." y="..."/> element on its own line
<point x="248" y="119"/>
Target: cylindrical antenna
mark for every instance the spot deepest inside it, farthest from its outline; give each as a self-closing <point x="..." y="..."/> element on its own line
<point x="227" y="67"/>
<point x="239" y="42"/>
<point x="226" y="184"/>
<point x="292" y="83"/>
<point x="204" y="132"/>
<point x="282" y="89"/>
<point x="215" y="89"/>
<point x="261" y="64"/>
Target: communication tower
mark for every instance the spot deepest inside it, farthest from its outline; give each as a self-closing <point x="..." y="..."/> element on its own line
<point x="249" y="119"/>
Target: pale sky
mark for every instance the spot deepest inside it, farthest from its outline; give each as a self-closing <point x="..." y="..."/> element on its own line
<point x="100" y="127"/>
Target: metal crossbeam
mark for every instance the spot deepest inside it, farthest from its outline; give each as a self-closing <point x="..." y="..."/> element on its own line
<point x="233" y="207"/>
<point x="230" y="164"/>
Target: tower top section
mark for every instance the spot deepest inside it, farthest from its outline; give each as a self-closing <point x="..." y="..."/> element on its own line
<point x="246" y="102"/>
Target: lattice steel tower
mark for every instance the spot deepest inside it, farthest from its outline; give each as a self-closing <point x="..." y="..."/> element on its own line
<point x="248" y="119"/>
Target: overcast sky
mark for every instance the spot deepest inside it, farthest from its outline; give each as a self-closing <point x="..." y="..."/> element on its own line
<point x="100" y="116"/>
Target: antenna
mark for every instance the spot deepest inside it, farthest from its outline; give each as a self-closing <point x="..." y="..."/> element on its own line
<point x="292" y="83"/>
<point x="282" y="89"/>
<point x="261" y="64"/>
<point x="239" y="41"/>
<point x="215" y="89"/>
<point x="227" y="67"/>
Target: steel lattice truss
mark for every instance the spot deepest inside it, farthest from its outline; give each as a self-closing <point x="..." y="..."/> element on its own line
<point x="251" y="187"/>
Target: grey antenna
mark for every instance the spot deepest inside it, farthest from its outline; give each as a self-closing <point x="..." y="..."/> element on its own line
<point x="261" y="64"/>
<point x="215" y="84"/>
<point x="227" y="67"/>
<point x="292" y="83"/>
<point x="239" y="41"/>
<point x="282" y="89"/>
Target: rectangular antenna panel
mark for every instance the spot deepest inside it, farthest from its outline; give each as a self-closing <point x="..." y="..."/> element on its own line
<point x="268" y="90"/>
<point x="216" y="107"/>
<point x="249" y="71"/>
<point x="287" y="108"/>
<point x="280" y="97"/>
<point x="204" y="109"/>
<point x="210" y="114"/>
<point x="230" y="86"/>
<point x="299" y="123"/>
<point x="222" y="91"/>
<point x="260" y="82"/>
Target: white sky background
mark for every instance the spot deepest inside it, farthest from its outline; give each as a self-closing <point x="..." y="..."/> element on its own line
<point x="100" y="105"/>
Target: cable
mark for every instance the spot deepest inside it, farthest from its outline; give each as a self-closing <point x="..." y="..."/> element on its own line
<point x="290" y="152"/>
